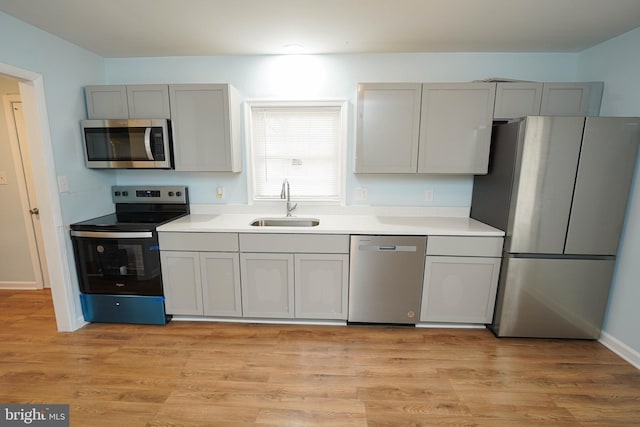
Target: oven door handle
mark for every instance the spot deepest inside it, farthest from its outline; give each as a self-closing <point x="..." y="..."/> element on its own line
<point x="112" y="235"/>
<point x="147" y="143"/>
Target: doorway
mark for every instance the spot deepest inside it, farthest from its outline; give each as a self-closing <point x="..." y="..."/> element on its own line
<point x="36" y="121"/>
<point x="26" y="239"/>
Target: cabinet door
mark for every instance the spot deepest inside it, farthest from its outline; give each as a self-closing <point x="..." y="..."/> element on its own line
<point x="388" y="125"/>
<point x="221" y="284"/>
<point x="455" y="127"/>
<point x="181" y="282"/>
<point x="321" y="286"/>
<point x="565" y="99"/>
<point x="518" y="99"/>
<point x="267" y="285"/>
<point x="106" y="102"/>
<point x="205" y="138"/>
<point x="459" y="289"/>
<point x="148" y="101"/>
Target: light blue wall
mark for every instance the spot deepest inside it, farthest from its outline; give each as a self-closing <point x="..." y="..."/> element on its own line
<point x="66" y="69"/>
<point x="617" y="63"/>
<point x="333" y="77"/>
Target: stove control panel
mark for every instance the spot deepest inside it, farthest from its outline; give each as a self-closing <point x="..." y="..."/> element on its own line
<point x="149" y="194"/>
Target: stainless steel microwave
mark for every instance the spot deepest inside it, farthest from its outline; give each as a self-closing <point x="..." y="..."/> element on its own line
<point x="127" y="144"/>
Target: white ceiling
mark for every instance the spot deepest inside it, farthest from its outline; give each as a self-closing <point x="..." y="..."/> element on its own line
<point x="143" y="28"/>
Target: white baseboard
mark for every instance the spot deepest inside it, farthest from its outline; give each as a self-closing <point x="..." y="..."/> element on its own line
<point x="436" y="325"/>
<point x="19" y="285"/>
<point x="183" y="318"/>
<point x="621" y="349"/>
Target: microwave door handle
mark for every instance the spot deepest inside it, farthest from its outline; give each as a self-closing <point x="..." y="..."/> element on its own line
<point x="147" y="143"/>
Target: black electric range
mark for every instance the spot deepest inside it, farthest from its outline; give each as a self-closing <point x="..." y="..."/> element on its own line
<point x="118" y="257"/>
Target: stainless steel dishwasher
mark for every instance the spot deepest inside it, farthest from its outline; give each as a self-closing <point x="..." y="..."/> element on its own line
<point x="385" y="278"/>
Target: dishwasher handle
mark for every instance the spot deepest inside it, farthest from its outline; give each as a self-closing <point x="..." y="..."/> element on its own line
<point x="387" y="248"/>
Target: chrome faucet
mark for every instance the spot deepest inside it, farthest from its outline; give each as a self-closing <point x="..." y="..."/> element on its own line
<point x="285" y="193"/>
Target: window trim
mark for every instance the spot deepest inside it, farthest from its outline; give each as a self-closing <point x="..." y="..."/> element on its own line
<point x="343" y="105"/>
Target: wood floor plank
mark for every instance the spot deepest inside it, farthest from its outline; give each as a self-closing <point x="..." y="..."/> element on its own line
<point x="231" y="374"/>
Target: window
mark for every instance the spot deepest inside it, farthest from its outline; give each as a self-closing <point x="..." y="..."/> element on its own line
<point x="299" y="141"/>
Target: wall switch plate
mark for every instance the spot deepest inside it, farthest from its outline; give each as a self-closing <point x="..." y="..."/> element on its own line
<point x="428" y="196"/>
<point x="3" y="178"/>
<point x="63" y="184"/>
<point x="361" y="194"/>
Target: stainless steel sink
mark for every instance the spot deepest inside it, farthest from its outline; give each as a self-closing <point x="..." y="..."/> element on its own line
<point x="285" y="222"/>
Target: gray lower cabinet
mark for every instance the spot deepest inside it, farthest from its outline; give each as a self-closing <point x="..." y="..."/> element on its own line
<point x="460" y="279"/>
<point x="201" y="274"/>
<point x="301" y="286"/>
<point x="298" y="276"/>
<point x="220" y="274"/>
<point x="182" y="282"/>
<point x="267" y="285"/>
<point x="321" y="286"/>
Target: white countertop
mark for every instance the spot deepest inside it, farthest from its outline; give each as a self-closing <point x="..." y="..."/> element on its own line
<point x="336" y="224"/>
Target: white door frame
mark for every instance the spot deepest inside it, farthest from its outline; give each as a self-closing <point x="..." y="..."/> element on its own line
<point x="22" y="163"/>
<point x="68" y="315"/>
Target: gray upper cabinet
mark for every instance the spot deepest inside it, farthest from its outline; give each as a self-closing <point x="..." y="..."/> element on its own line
<point x="107" y="102"/>
<point x="132" y="101"/>
<point x="571" y="99"/>
<point x="148" y="101"/>
<point x="388" y="126"/>
<point x="424" y="128"/>
<point x="455" y="127"/>
<point x="206" y="127"/>
<point x="517" y="99"/>
<point x="205" y="119"/>
<point x="564" y="99"/>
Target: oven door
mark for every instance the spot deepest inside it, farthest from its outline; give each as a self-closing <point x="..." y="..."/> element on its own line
<point x="124" y="263"/>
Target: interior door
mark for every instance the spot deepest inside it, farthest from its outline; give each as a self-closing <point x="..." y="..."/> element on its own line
<point x="22" y="162"/>
<point x="607" y="162"/>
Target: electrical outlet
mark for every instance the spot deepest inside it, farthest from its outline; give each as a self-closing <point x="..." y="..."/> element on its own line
<point x="220" y="193"/>
<point x="361" y="194"/>
<point x="3" y="178"/>
<point x="428" y="196"/>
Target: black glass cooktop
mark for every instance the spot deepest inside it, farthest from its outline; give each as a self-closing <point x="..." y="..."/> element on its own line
<point x="128" y="222"/>
<point x="133" y="218"/>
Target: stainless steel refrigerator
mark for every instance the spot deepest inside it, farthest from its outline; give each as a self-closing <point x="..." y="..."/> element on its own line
<point x="558" y="187"/>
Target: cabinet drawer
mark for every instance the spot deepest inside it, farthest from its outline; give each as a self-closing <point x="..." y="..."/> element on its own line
<point x="203" y="242"/>
<point x="464" y="246"/>
<point x="295" y="243"/>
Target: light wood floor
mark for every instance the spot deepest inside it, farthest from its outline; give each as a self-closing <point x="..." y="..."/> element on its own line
<point x="195" y="373"/>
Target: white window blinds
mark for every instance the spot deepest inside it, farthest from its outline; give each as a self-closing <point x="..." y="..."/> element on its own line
<point x="301" y="144"/>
